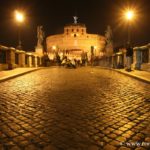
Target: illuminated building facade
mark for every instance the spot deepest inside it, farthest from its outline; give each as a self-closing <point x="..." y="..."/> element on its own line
<point x="74" y="42"/>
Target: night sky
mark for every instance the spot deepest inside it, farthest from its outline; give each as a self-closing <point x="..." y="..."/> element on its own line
<point x="54" y="14"/>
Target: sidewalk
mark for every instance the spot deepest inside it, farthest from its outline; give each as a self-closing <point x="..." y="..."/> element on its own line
<point x="141" y="75"/>
<point x="137" y="74"/>
<point x="9" y="74"/>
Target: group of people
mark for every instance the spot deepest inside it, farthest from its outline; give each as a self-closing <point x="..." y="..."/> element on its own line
<point x="72" y="63"/>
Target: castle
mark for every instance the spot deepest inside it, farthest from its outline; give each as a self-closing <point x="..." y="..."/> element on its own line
<point x="75" y="42"/>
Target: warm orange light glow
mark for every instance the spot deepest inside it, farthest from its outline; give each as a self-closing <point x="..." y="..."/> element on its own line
<point x="95" y="47"/>
<point x="54" y="47"/>
<point x="19" y="16"/>
<point x="129" y="15"/>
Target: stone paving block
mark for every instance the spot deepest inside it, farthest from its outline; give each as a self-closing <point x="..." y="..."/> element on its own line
<point x="124" y="148"/>
<point x="109" y="147"/>
<point x="50" y="147"/>
<point x="129" y="132"/>
<point x="147" y="139"/>
<point x="18" y="139"/>
<point x="127" y="136"/>
<point x="31" y="147"/>
<point x="140" y="148"/>
<point x="24" y="143"/>
<point x="123" y="129"/>
<point x="100" y="143"/>
<point x="115" y="143"/>
<point x="136" y="138"/>
<point x="118" y="132"/>
<point x="121" y="139"/>
<point x="107" y="139"/>
<point x="113" y="136"/>
<point x="15" y="148"/>
<point x="93" y="147"/>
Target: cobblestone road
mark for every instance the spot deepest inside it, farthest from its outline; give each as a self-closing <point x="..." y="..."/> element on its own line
<point x="74" y="109"/>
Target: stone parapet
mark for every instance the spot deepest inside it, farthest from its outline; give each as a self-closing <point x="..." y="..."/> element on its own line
<point x="10" y="59"/>
<point x="141" y="58"/>
<point x="13" y="58"/>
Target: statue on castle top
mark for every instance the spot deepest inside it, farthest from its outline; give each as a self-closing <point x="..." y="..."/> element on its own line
<point x="40" y="36"/>
<point x="75" y="19"/>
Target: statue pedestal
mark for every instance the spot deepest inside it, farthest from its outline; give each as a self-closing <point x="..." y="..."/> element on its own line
<point x="39" y="50"/>
<point x="109" y="50"/>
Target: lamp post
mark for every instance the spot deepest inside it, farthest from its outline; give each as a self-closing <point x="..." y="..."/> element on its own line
<point x="19" y="17"/>
<point x="129" y="16"/>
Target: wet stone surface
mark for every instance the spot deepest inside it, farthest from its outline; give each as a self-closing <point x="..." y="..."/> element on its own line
<point x="74" y="109"/>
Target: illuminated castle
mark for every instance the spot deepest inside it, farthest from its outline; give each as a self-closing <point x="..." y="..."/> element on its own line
<point x="74" y="42"/>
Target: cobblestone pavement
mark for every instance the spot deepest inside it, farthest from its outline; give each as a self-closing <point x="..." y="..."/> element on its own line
<point x="74" y="109"/>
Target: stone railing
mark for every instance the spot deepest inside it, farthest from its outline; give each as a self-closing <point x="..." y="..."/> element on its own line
<point x="140" y="59"/>
<point x="11" y="58"/>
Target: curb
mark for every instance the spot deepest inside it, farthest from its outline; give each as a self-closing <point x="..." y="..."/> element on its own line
<point x="133" y="76"/>
<point x="17" y="75"/>
<point x="129" y="75"/>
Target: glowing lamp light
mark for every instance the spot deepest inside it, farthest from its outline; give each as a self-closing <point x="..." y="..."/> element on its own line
<point x="54" y="47"/>
<point x="19" y="16"/>
<point x="129" y="15"/>
<point x="95" y="47"/>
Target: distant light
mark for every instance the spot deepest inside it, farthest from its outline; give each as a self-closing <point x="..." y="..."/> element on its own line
<point x="19" y="16"/>
<point x="54" y="47"/>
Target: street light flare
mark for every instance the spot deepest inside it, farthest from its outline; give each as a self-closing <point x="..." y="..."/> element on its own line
<point x="19" y="16"/>
<point x="129" y="14"/>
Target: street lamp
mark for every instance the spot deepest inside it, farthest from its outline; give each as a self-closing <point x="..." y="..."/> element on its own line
<point x="19" y="17"/>
<point x="129" y="16"/>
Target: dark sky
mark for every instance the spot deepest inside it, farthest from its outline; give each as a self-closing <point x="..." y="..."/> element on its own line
<point x="54" y="14"/>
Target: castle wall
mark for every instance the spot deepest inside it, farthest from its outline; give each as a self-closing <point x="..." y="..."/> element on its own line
<point x="67" y="42"/>
<point x="76" y="37"/>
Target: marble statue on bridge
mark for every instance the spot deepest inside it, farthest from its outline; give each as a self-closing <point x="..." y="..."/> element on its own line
<point x="40" y="36"/>
<point x="109" y="41"/>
